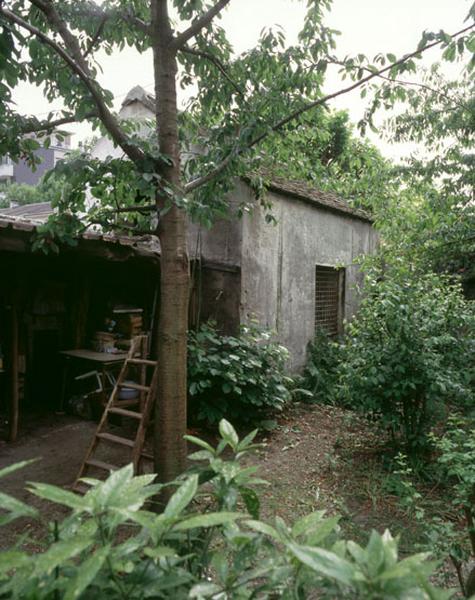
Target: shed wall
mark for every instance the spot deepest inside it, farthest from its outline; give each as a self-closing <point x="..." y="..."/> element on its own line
<point x="278" y="267"/>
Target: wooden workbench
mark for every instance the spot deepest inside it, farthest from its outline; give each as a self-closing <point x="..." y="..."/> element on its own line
<point x="101" y="361"/>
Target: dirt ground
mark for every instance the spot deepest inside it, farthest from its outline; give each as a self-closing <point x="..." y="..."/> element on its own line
<point x="299" y="458"/>
<point x="318" y="457"/>
<point x="58" y="445"/>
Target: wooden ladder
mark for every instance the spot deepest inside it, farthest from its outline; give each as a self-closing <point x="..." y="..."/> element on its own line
<point x="136" y="357"/>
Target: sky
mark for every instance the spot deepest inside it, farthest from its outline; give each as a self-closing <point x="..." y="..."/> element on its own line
<point x="366" y="26"/>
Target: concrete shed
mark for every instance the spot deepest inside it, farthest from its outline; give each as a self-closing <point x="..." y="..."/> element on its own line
<point x="293" y="275"/>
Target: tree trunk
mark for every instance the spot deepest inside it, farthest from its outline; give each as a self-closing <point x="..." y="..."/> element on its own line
<point x="170" y="409"/>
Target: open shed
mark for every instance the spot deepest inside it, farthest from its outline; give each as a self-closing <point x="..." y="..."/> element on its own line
<point x="56" y="302"/>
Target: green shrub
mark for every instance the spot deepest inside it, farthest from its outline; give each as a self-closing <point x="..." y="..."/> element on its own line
<point x="241" y="378"/>
<point x="320" y="376"/>
<point x="456" y="462"/>
<point x="110" y="546"/>
<point x="409" y="351"/>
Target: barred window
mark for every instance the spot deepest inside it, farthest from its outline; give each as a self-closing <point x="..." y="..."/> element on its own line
<point x="329" y="285"/>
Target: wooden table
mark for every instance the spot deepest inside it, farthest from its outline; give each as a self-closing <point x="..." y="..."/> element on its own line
<point x="100" y="361"/>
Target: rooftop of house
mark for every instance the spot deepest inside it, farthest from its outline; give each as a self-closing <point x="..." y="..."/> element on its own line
<point x="35" y="213"/>
<point x="305" y="192"/>
<point x="20" y="222"/>
<point x="138" y="94"/>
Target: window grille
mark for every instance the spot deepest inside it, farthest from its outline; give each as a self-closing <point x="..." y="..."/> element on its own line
<point x="328" y="299"/>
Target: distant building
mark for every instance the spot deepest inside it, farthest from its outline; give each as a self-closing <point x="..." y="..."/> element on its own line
<point x="21" y="172"/>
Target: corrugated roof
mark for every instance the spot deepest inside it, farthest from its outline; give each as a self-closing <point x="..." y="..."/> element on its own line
<point x="307" y="193"/>
<point x="39" y="211"/>
<point x="22" y="218"/>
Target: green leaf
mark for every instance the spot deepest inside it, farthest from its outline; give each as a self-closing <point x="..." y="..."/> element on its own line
<point x="264" y="528"/>
<point x="19" y="465"/>
<point x="306" y="522"/>
<point x="13" y="559"/>
<point x="251" y="500"/>
<point x="204" y="590"/>
<point x="201" y="455"/>
<point x="247" y="440"/>
<point x="86" y="573"/>
<point x="182" y="497"/>
<point x="207" y="520"/>
<point x="57" y="495"/>
<point x="375" y="553"/>
<point x="59" y="553"/>
<point x="324" y="562"/>
<point x="15" y="508"/>
<point x="199" y="442"/>
<point x="160" y="552"/>
<point x="228" y="433"/>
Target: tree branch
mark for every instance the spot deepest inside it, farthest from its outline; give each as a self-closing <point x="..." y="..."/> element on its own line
<point x="32" y="127"/>
<point x="216" y="62"/>
<point x="199" y="181"/>
<point x="123" y="227"/>
<point x="79" y="66"/>
<point x="128" y="16"/>
<point x="96" y="37"/>
<point x="198" y="24"/>
<point x="423" y="86"/>
<point x="129" y="209"/>
<point x="142" y="26"/>
<point x="70" y="41"/>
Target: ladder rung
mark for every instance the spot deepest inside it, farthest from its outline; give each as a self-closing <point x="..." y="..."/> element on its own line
<point x="80" y="487"/>
<point x="125" y="413"/>
<point x="146" y="455"/>
<point x="134" y="386"/>
<point x="92" y="462"/>
<point x="109" y="437"/>
<point x="142" y="361"/>
<point x="125" y="403"/>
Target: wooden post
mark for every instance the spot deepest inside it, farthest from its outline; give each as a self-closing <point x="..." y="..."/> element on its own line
<point x="80" y="311"/>
<point x="14" y="401"/>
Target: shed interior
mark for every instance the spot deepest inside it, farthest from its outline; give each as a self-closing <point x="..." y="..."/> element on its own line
<point x="57" y="302"/>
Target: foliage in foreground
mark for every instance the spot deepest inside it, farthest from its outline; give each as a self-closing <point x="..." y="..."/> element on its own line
<point x="241" y="378"/>
<point x="112" y="546"/>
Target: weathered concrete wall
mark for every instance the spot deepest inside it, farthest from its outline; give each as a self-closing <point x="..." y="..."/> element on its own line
<point x="278" y="266"/>
<point x="222" y="243"/>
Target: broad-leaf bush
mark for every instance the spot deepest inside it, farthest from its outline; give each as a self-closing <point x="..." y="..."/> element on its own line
<point x="112" y="546"/>
<point x="241" y="378"/>
<point x="409" y="351"/>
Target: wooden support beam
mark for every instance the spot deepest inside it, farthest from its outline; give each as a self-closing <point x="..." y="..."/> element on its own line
<point x="14" y="391"/>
